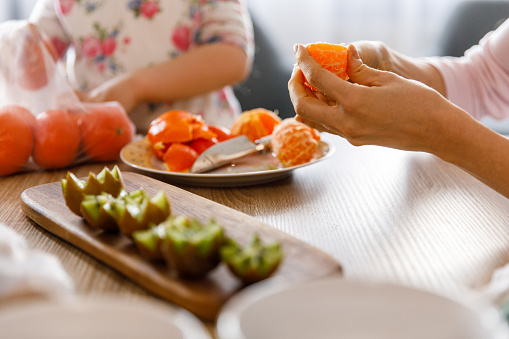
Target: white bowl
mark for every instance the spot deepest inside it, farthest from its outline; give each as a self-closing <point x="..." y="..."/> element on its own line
<point x="337" y="308"/>
<point x="98" y="317"/>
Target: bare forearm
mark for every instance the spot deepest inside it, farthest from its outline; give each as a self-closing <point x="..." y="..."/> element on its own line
<point x="196" y="72"/>
<point x="463" y="141"/>
<point x="478" y="150"/>
<point x="456" y="137"/>
<point x="380" y="56"/>
<point x="418" y="69"/>
<point x="381" y="108"/>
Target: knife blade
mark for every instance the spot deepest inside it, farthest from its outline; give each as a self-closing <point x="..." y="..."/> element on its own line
<point x="225" y="152"/>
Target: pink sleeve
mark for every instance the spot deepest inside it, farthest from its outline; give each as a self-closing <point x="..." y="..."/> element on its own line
<point x="45" y="17"/>
<point x="478" y="82"/>
<point x="227" y="21"/>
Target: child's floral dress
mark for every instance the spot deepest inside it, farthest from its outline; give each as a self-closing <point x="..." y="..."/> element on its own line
<point x="99" y="39"/>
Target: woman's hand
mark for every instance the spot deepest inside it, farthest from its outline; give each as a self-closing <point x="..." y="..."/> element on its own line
<point x="375" y="54"/>
<point x="375" y="108"/>
<point x="382" y="108"/>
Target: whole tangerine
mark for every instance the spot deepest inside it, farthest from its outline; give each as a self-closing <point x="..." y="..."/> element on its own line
<point x="105" y="129"/>
<point x="16" y="138"/>
<point x="57" y="139"/>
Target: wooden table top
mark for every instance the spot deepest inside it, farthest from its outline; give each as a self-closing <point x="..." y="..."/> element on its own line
<point x="384" y="215"/>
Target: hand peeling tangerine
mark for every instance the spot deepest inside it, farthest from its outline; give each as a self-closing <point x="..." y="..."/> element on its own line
<point x="332" y="57"/>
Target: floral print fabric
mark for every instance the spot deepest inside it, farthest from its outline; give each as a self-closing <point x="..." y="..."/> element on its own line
<point x="100" y="39"/>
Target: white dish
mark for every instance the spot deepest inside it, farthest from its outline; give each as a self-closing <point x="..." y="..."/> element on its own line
<point x="250" y="170"/>
<point x="337" y="308"/>
<point x="103" y="317"/>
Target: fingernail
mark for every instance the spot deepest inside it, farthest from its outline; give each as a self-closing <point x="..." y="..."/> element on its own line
<point x="355" y="52"/>
<point x="295" y="48"/>
<point x="295" y="68"/>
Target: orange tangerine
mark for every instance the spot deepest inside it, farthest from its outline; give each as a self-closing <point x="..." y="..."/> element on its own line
<point x="255" y="124"/>
<point x="173" y="126"/>
<point x="176" y="126"/>
<point x="16" y="138"/>
<point x="331" y="57"/>
<point x="57" y="139"/>
<point x="179" y="157"/>
<point x="105" y="129"/>
<point x="200" y="145"/>
<point x="222" y="133"/>
<point x="294" y="143"/>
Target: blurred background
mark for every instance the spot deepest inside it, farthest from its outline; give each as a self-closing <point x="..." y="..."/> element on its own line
<point x="413" y="27"/>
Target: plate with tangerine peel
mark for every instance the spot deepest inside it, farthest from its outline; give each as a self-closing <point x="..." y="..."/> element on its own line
<point x="176" y="138"/>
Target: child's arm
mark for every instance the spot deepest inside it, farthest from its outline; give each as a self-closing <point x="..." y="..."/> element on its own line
<point x="198" y="71"/>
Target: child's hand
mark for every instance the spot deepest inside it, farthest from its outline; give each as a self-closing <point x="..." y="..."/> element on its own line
<point x="121" y="89"/>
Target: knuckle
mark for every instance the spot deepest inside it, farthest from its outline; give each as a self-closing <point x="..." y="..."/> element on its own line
<point x="299" y="107"/>
<point x="314" y="77"/>
<point x="353" y="103"/>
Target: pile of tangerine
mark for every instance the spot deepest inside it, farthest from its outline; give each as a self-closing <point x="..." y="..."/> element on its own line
<point x="55" y="138"/>
<point x="179" y="137"/>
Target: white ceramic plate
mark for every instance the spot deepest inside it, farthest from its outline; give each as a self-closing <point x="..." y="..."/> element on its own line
<point x="250" y="170"/>
<point x="337" y="308"/>
<point x="98" y="318"/>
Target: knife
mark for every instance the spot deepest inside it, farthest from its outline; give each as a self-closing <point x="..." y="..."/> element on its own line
<point x="225" y="152"/>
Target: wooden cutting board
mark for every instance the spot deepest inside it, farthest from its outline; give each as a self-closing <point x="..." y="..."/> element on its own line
<point x="46" y="206"/>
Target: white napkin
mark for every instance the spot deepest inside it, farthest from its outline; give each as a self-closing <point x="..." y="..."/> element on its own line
<point x="497" y="290"/>
<point x="25" y="272"/>
<point x="498" y="287"/>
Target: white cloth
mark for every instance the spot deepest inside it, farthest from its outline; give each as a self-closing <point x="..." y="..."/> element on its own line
<point x="25" y="272"/>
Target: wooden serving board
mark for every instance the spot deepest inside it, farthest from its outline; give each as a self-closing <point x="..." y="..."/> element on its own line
<point x="204" y="297"/>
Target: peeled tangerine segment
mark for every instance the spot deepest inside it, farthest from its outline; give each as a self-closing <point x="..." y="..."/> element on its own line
<point x="332" y="57"/>
<point x="74" y="189"/>
<point x="191" y="248"/>
<point x="255" y="124"/>
<point x="294" y="143"/>
<point x="254" y="262"/>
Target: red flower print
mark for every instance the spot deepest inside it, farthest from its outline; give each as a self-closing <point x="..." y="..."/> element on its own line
<point x="66" y="6"/>
<point x="181" y="38"/>
<point x="91" y="46"/>
<point x="149" y="8"/>
<point x="222" y="95"/>
<point x="197" y="19"/>
<point x="127" y="40"/>
<point x="59" y="45"/>
<point x="108" y="46"/>
<point x="101" y="67"/>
